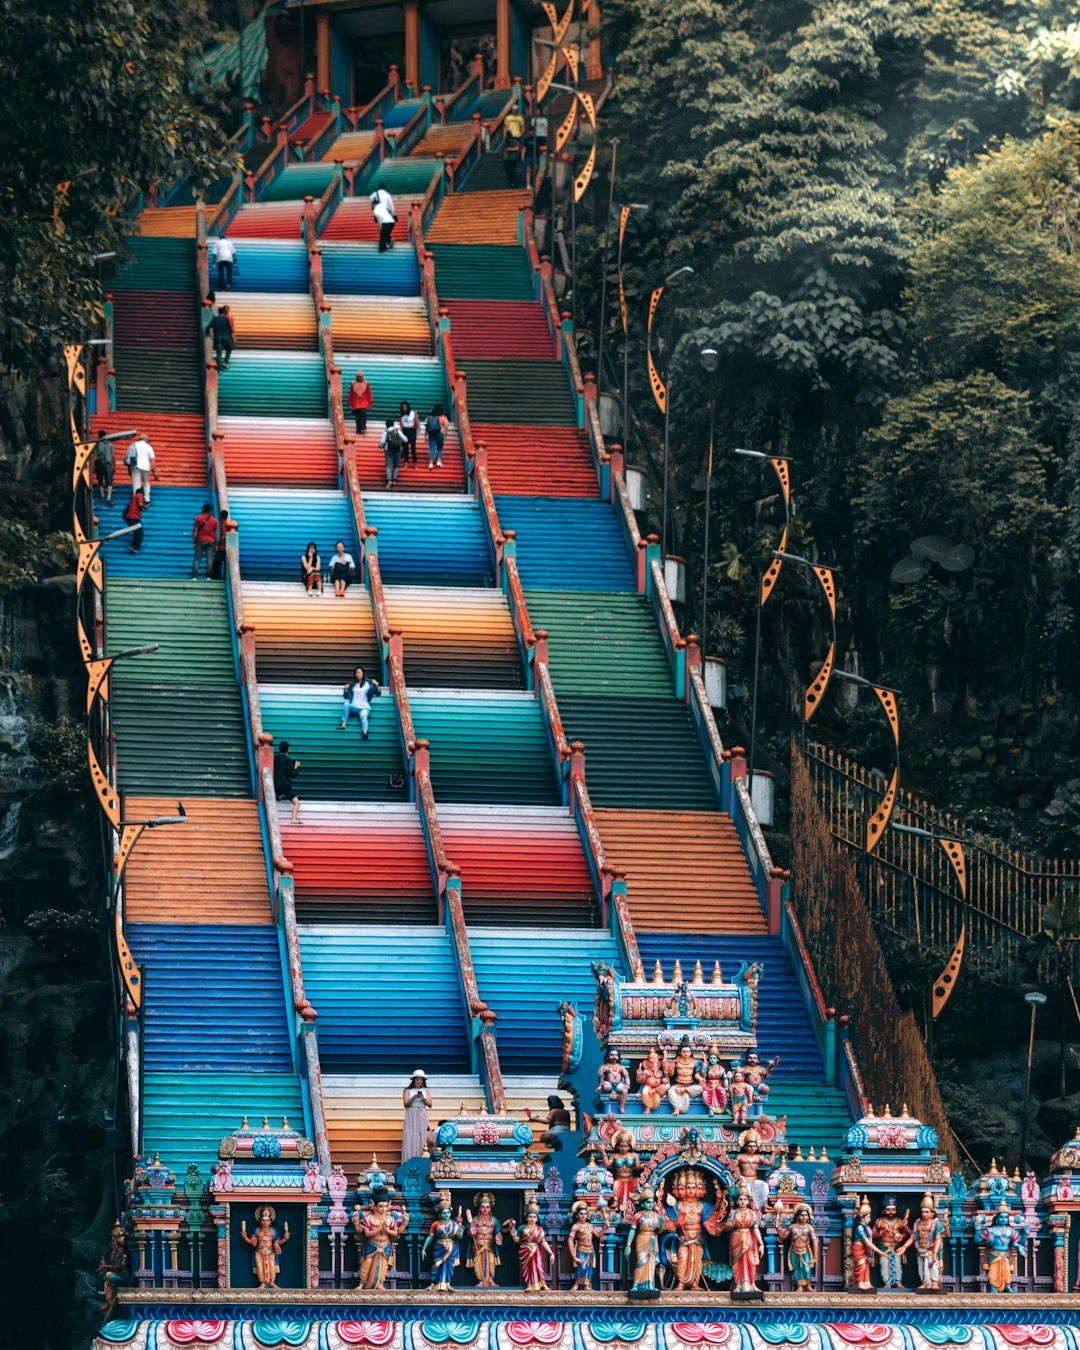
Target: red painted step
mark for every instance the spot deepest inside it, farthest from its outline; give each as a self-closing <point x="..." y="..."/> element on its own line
<point x="498" y="329"/>
<point x="179" y="441"/>
<point x="372" y="465"/>
<point x="352" y="221"/>
<point x="155" y="320"/>
<point x="279" y="452"/>
<point x="269" y="220"/>
<point x="363" y="863"/>
<point x="310" y="127"/>
<point x="533" y="461"/>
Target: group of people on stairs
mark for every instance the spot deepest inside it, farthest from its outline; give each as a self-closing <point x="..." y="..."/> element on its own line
<point x="399" y="438"/>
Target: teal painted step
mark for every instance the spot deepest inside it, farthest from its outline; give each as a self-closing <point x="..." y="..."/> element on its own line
<point x="297" y="181"/>
<point x="384" y="994"/>
<point x="817" y="1115"/>
<point x="400" y="114"/>
<point x="274" y="265"/>
<point x="186" y="1115"/>
<point x="486" y="747"/>
<point x="429" y="539"/>
<point x="189" y="620"/>
<point x="524" y="974"/>
<point x="273" y="384"/>
<point x="488" y="175"/>
<point x="419" y="380"/>
<point x="336" y="765"/>
<point x="360" y="269"/>
<point x="180" y="739"/>
<point x="482" y="272"/>
<point x="156" y="265"/>
<point x="640" y="751"/>
<point x="601" y="642"/>
<point x="408" y="177"/>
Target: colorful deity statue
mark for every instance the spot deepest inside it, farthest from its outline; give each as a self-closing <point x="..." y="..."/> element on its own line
<point x="1001" y="1241"/>
<point x="644" y="1240"/>
<point x="486" y="1240"/>
<point x="682" y="1072"/>
<point x="446" y="1233"/>
<point x="756" y="1073"/>
<point x="747" y="1244"/>
<point x="613" y="1084"/>
<point x="532" y="1247"/>
<point x="581" y="1242"/>
<point x="624" y="1166"/>
<point x="267" y="1244"/>
<point x="689" y="1216"/>
<point x="652" y="1080"/>
<point x="893" y="1237"/>
<point x="862" y="1244"/>
<point x="802" y="1242"/>
<point x="742" y="1098"/>
<point x="116" y="1267"/>
<point x="713" y="1080"/>
<point x="929" y="1239"/>
<point x="747" y="1164"/>
<point x="377" y="1231"/>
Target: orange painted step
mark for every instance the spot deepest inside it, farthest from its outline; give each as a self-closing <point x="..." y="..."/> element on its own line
<point x="296" y="452"/>
<point x="535" y="461"/>
<point x="209" y="870"/>
<point x="299" y="639"/>
<point x="451" y="138"/>
<point x="350" y="147"/>
<point x="352" y="221"/>
<point x="685" y="870"/>
<point x="478" y="218"/>
<point x="379" y="323"/>
<point x="179" y="441"/>
<point x="167" y="222"/>
<point x="372" y="466"/>
<point x="274" y="322"/>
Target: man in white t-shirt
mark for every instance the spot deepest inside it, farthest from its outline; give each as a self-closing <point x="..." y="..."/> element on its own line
<point x="140" y="460"/>
<point x="225" y="257"/>
<point x="382" y="208"/>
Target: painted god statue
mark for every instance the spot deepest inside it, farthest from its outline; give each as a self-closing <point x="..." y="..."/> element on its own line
<point x="613" y="1082"/>
<point x="643" y="1241"/>
<point x="486" y="1240"/>
<point x="532" y="1248"/>
<point x="802" y="1249"/>
<point x="652" y="1080"/>
<point x="748" y="1163"/>
<point x="862" y="1244"/>
<point x="581" y="1242"/>
<point x="756" y="1074"/>
<point x="929" y="1239"/>
<point x="267" y="1244"/>
<point x="747" y="1244"/>
<point x="446" y="1234"/>
<point x="713" y="1080"/>
<point x="377" y="1231"/>
<point x="689" y="1215"/>
<point x="683" y="1072"/>
<point x="892" y="1235"/>
<point x="623" y="1164"/>
<point x="1001" y="1242"/>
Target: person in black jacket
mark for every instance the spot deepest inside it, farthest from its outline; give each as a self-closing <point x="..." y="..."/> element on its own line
<point x="285" y="771"/>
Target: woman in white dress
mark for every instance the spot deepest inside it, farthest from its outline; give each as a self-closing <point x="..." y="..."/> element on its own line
<point x="414" y="1131"/>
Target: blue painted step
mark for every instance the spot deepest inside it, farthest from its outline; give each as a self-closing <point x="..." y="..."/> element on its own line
<point x="166" y="549"/>
<point x="360" y="269"/>
<point x="568" y="543"/>
<point x="276" y="527"/>
<point x="385" y="995"/>
<point x="783" y="1018"/>
<point x="429" y="539"/>
<point x="215" y="997"/>
<point x="523" y="973"/>
<point x="279" y="265"/>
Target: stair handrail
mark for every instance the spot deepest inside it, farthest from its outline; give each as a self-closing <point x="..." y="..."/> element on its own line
<point x="432" y="198"/>
<point x="795" y="941"/>
<point x="459" y="93"/>
<point x="224" y="210"/>
<point x="414" y="130"/>
<point x="519" y="612"/>
<point x="302" y="108"/>
<point x="466" y="158"/>
<point x="384" y="99"/>
<point x="329" y="201"/>
<point x="268" y="170"/>
<point x="673" y="642"/>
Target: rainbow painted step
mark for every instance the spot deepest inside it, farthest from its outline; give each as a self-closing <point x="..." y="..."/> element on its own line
<point x="310" y="641"/>
<point x="456" y="637"/>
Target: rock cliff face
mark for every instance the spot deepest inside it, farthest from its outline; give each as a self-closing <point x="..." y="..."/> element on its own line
<point x="56" y="1030"/>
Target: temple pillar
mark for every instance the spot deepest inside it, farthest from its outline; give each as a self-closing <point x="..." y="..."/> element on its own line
<point x="502" y="44"/>
<point x="594" y="67"/>
<point x="412" y="44"/>
<point x="322" y="51"/>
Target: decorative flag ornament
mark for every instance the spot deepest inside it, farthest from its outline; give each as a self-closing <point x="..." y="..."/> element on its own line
<point x="659" y="388"/>
<point x="772" y="572"/>
<point x="566" y="126"/>
<point x="571" y="60"/>
<point x="816" y="690"/>
<point x="879" y="821"/>
<point x="946" y="981"/>
<point x="581" y="182"/>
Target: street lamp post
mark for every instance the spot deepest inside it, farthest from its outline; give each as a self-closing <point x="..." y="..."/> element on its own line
<point x="710" y="361"/>
<point x="662" y="392"/>
<point x="1035" y="1001"/>
<point x="624" y="216"/>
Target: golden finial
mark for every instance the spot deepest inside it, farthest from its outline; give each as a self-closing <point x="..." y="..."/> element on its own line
<point x="284" y="1122"/>
<point x="639" y="972"/>
<point x="461" y="1108"/>
<point x="905" y="1114"/>
<point x="676" y="974"/>
<point x="823" y="1156"/>
<point x="811" y="1157"/>
<point x="993" y="1167"/>
<point x="243" y="1123"/>
<point x="797" y="1155"/>
<point x="658" y="973"/>
<point x="1016" y="1174"/>
<point x="887" y="1113"/>
<point x="266" y="1122"/>
<point x="698" y="977"/>
<point x="870" y="1112"/>
<point x="375" y="1160"/>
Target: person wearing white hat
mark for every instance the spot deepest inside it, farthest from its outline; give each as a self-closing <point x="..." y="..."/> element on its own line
<point x="414" y="1130"/>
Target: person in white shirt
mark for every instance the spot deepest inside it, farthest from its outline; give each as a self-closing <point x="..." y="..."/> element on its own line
<point x="382" y="208"/>
<point x="225" y="257"/>
<point x="342" y="568"/>
<point x="409" y="423"/>
<point x="140" y="460"/>
<point x="356" y="700"/>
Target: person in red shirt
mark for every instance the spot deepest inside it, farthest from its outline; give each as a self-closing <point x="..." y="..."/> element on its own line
<point x="360" y="400"/>
<point x="219" y="555"/>
<point x="133" y="516"/>
<point x="204" y="538"/>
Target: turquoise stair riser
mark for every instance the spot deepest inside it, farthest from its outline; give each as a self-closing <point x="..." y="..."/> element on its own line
<point x="273" y="384"/>
<point x="276" y="527"/>
<point x="418" y="381"/>
<point x="482" y="272"/>
<point x="297" y="181"/>
<point x="568" y="543"/>
<point x="275" y="265"/>
<point x="156" y="265"/>
<point x="189" y="621"/>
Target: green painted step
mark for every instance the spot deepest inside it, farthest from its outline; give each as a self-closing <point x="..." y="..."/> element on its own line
<point x="336" y="765"/>
<point x="189" y="620"/>
<point x="156" y="265"/>
<point x="486" y="747"/>
<point x="534" y="393"/>
<point x="641" y="751"/>
<point x="601" y="642"/>
<point x="482" y="272"/>
<point x="186" y="1115"/>
<point x="817" y="1115"/>
<point x="185" y="739"/>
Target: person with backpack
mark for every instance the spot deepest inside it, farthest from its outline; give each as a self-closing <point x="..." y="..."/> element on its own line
<point x="360" y="398"/>
<point x="409" y="423"/>
<point x="225" y="257"/>
<point x="285" y="770"/>
<point x="104" y="466"/>
<point x="140" y="459"/>
<point x="223" y="331"/>
<point x="393" y="442"/>
<point x="356" y="700"/>
<point x="435" y="426"/>
<point x="204" y="540"/>
<point x="133" y="516"/>
<point x="382" y="208"/>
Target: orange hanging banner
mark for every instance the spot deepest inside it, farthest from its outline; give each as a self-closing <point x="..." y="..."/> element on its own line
<point x="946" y="981"/>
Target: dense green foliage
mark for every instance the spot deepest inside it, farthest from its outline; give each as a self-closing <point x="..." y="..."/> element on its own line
<point x="879" y="199"/>
<point x="93" y="110"/>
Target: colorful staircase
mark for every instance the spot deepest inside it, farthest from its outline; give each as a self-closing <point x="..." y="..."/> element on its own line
<point x="483" y="650"/>
<point x="292" y="452"/>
